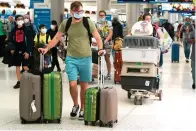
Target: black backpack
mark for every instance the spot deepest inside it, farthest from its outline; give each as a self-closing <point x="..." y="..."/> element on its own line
<point x="86" y="25"/>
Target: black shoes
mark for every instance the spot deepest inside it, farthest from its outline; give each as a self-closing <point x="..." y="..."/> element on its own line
<point x="74" y="111"/>
<point x="17" y="85"/>
<point x="193" y="86"/>
<point x="81" y="115"/>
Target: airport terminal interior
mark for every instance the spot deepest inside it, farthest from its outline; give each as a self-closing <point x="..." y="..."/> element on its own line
<point x="176" y="111"/>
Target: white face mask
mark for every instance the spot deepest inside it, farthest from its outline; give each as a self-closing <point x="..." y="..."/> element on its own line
<point x="52" y="27"/>
<point x="26" y="20"/>
<point x="44" y="31"/>
<point x="20" y="22"/>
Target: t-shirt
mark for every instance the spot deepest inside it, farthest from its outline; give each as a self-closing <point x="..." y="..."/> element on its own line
<point x="1" y="29"/>
<point x="188" y="35"/>
<point x="20" y="39"/>
<point x="78" y="39"/>
<point x="42" y="39"/>
<point x="103" y="28"/>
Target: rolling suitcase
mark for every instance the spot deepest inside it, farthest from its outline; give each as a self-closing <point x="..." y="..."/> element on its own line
<point x="52" y="97"/>
<point x="108" y="102"/>
<point x="91" y="106"/>
<point x="30" y="98"/>
<point x="175" y="56"/>
<point x="118" y="66"/>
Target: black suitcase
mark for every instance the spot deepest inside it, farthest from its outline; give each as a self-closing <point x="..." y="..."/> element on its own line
<point x="142" y="83"/>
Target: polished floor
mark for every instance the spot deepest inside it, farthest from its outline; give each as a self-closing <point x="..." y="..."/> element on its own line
<point x="176" y="112"/>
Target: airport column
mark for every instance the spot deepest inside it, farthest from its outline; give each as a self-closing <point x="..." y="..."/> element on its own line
<point x="57" y="10"/>
<point x="132" y="14"/>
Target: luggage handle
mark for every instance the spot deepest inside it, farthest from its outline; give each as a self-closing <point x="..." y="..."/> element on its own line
<point x="41" y="67"/>
<point x="100" y="72"/>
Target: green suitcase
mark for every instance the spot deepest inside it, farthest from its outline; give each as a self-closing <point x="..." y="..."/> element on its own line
<point x="91" y="107"/>
<point x="52" y="97"/>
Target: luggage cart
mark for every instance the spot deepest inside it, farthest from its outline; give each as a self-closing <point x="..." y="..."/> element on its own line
<point x="143" y="79"/>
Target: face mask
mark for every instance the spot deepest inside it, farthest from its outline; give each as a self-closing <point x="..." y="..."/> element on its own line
<point x="78" y="16"/>
<point x="43" y="31"/>
<point x="102" y="19"/>
<point x="26" y="20"/>
<point x="20" y="22"/>
<point x="52" y="26"/>
<point x="187" y="23"/>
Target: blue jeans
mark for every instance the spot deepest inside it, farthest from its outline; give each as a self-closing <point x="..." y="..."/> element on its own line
<point x="187" y="49"/>
<point x="161" y="60"/>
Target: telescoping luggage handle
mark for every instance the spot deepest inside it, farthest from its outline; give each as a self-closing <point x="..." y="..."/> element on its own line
<point x="41" y="66"/>
<point x="101" y="71"/>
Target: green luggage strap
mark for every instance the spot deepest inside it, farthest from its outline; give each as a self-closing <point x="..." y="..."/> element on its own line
<point x="52" y="94"/>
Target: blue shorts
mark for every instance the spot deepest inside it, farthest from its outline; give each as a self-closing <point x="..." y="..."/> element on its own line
<point x="79" y="67"/>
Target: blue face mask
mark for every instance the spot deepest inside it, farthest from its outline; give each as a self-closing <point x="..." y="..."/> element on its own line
<point x="78" y="16"/>
<point x="187" y="23"/>
<point x="102" y="19"/>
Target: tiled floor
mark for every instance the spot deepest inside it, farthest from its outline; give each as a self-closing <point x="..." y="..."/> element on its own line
<point x="177" y="111"/>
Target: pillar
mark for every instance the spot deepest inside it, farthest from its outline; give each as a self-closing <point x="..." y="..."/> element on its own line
<point x="103" y="5"/>
<point x="132" y="14"/>
<point x="57" y="10"/>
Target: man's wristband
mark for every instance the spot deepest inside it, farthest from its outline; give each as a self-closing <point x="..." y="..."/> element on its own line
<point x="100" y="49"/>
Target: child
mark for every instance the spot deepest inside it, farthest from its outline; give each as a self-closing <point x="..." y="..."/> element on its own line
<point x="41" y="40"/>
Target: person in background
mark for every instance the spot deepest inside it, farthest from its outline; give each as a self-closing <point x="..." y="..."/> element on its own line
<point x="79" y="55"/>
<point x="170" y="29"/>
<point x="105" y="30"/>
<point x="21" y="37"/>
<point x="41" y="40"/>
<point x="176" y="24"/>
<point x="30" y="25"/>
<point x="12" y="22"/>
<point x="117" y="31"/>
<point x="52" y="32"/>
<point x="156" y="33"/>
<point x="5" y="29"/>
<point x="186" y="31"/>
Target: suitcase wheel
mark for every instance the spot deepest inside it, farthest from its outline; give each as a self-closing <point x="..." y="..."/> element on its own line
<point x="46" y="122"/>
<point x="116" y="121"/>
<point x="129" y="95"/>
<point x="138" y="100"/>
<point x="85" y="123"/>
<point x="111" y="124"/>
<point x="101" y="124"/>
<point x="23" y="122"/>
<point x="160" y="94"/>
<point x="59" y="121"/>
<point x="93" y="123"/>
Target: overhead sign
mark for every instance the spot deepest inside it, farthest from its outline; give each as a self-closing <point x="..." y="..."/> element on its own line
<point x="35" y="1"/>
<point x="42" y="16"/>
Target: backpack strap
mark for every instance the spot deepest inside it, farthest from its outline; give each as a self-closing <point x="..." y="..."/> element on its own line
<point x="86" y="25"/>
<point x="38" y="38"/>
<point x="68" y="24"/>
<point x="47" y="37"/>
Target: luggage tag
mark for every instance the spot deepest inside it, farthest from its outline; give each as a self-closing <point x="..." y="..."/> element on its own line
<point x="33" y="107"/>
